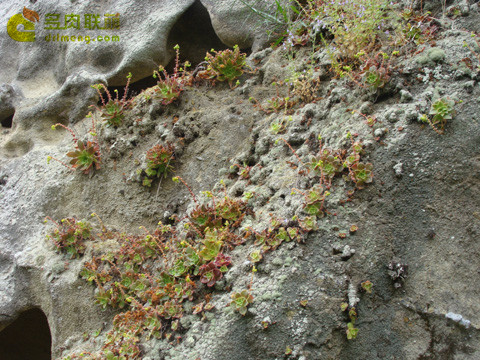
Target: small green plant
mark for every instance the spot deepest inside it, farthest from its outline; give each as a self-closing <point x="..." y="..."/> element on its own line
<point x="113" y="110"/>
<point x="255" y="256"/>
<point x="241" y="300"/>
<point x="314" y="201"/>
<point x="278" y="127"/>
<point x="441" y="111"/>
<point x="159" y="160"/>
<point x="169" y="87"/>
<point x="418" y="28"/>
<point x="361" y="174"/>
<point x="86" y="156"/>
<point x="327" y="164"/>
<point x="367" y="286"/>
<point x="70" y="235"/>
<point x="351" y="331"/>
<point x="226" y="65"/>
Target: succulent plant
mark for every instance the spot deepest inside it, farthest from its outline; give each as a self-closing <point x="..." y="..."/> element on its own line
<point x="442" y="110"/>
<point x="375" y="78"/>
<point x="112" y="111"/>
<point x="211" y="245"/>
<point x="70" y="235"/>
<point x="367" y="286"/>
<point x="171" y="310"/>
<point x="85" y="157"/>
<point x="241" y="300"/>
<point x="255" y="256"/>
<point x="327" y="164"/>
<point x="170" y="86"/>
<point x="314" y="201"/>
<point x="159" y="158"/>
<point x="309" y="223"/>
<point x="362" y="174"/>
<point x="351" y="331"/>
<point x="86" y="153"/>
<point x="210" y="274"/>
<point x="226" y="65"/>
<point x="222" y="261"/>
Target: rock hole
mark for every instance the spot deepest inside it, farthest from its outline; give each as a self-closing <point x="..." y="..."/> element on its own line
<point x="7" y="122"/>
<point x="195" y="35"/>
<point x="28" y="337"/>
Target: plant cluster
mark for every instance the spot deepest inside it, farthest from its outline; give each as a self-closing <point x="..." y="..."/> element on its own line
<point x="417" y="28"/>
<point x="280" y="231"/>
<point x="86" y="155"/>
<point x="69" y="236"/>
<point x="149" y="277"/>
<point x="351" y="331"/>
<point x="226" y="65"/>
<point x="112" y="111"/>
<point x="322" y="169"/>
<point x="159" y="160"/>
<point x="170" y="86"/>
<point x="328" y="163"/>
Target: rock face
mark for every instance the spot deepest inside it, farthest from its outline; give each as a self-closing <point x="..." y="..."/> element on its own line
<point x="53" y="76"/>
<point x="418" y="222"/>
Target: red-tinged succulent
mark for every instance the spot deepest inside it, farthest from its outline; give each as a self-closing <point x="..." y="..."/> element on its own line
<point x="170" y="86"/>
<point x="87" y="156"/>
<point x="159" y="160"/>
<point x="222" y="261"/>
<point x="327" y="164"/>
<point x="112" y="110"/>
<point x="212" y="244"/>
<point x="240" y="301"/>
<point x="314" y="201"/>
<point x="226" y="65"/>
<point x="210" y="274"/>
<point x="70" y="235"/>
<point x="362" y="174"/>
